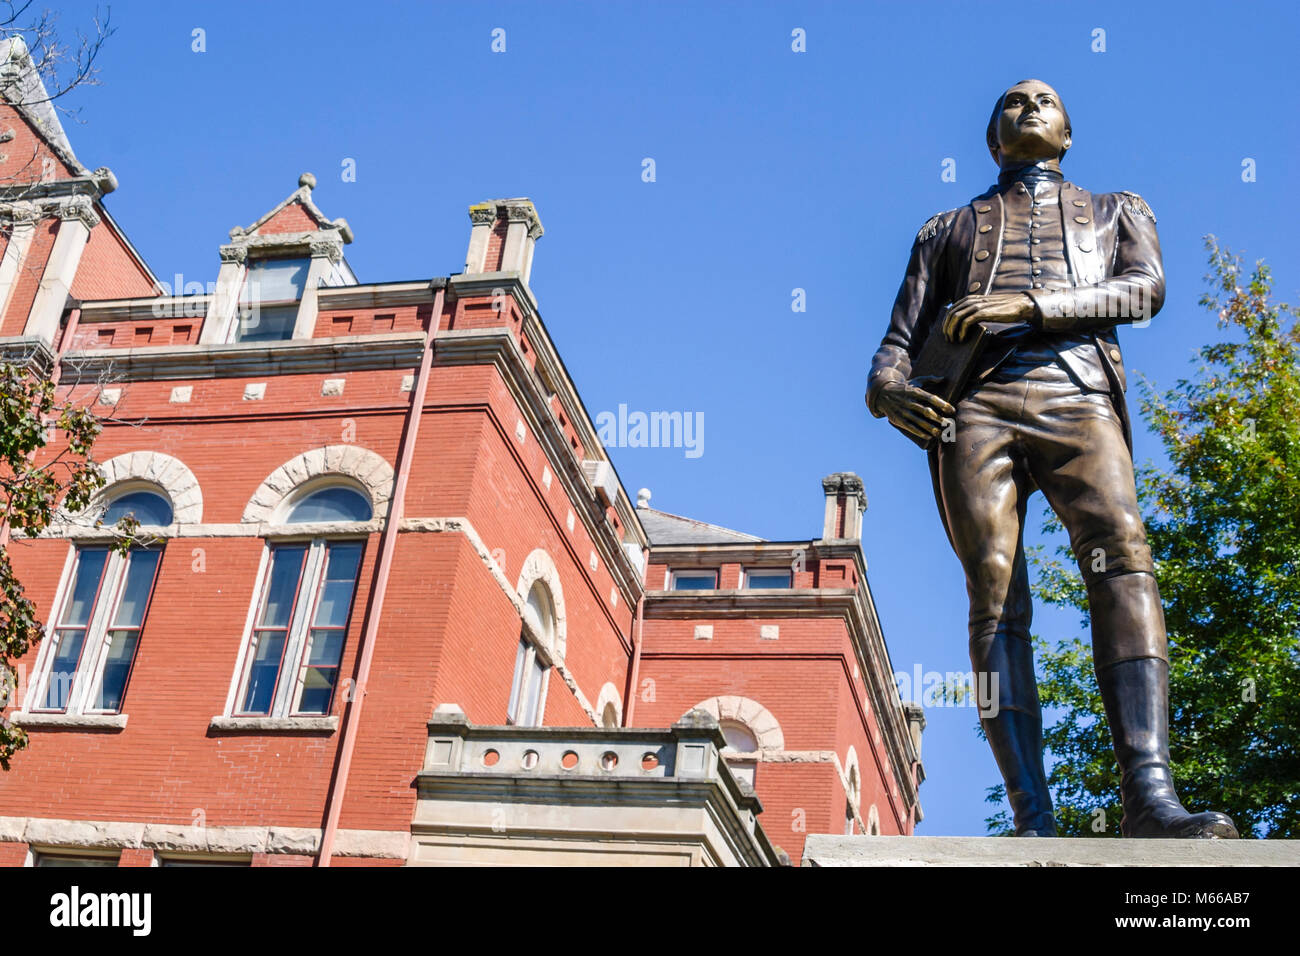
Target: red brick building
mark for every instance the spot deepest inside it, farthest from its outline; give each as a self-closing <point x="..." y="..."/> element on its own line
<point x="393" y="603"/>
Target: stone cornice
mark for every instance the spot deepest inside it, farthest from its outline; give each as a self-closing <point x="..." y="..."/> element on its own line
<point x="240" y="360"/>
<point x="377" y="295"/>
<point x="28" y="351"/>
<point x="134" y="310"/>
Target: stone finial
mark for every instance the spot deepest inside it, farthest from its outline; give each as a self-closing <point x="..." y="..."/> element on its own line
<point x="697" y="718"/>
<point x="515" y="253"/>
<point x="643" y="498"/>
<point x="307" y="180"/>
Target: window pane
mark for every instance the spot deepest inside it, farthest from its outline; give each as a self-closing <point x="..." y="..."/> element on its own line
<point x="85" y="585"/>
<point x="275" y="280"/>
<point x="148" y="508"/>
<point x="263" y="673"/>
<point x="694" y="582"/>
<point x="532" y="703"/>
<point x="286" y="569"/>
<point x="117" y="665"/>
<point x="63" y="668"/>
<point x="540" y="602"/>
<point x="322" y="671"/>
<point x="521" y="657"/>
<point x="332" y="504"/>
<point x="767" y="579"/>
<point x="266" y="324"/>
<point x="140" y="569"/>
<point x="342" y="563"/>
<point x="44" y="860"/>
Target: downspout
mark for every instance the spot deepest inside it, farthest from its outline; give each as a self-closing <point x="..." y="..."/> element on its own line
<point x="634" y="672"/>
<point x="387" y="546"/>
<point x="65" y="341"/>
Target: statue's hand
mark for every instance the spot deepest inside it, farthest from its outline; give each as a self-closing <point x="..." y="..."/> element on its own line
<point x="913" y="409"/>
<point x="999" y="307"/>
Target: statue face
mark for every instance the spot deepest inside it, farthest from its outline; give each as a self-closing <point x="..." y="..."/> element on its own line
<point x="1031" y="126"/>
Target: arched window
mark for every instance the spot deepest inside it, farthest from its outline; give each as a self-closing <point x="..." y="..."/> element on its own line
<point x="147" y="507"/>
<point x="84" y="666"/>
<point x="333" y="503"/>
<point x="609" y="718"/>
<point x="740" y="740"/>
<point x="303" y="607"/>
<point x="528" y="687"/>
<point x="850" y="802"/>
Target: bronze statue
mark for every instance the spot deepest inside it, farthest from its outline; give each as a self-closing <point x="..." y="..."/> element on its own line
<point x="1053" y="269"/>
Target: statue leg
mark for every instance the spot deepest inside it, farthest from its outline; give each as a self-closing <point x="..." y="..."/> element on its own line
<point x="1083" y="465"/>
<point x="985" y="489"/>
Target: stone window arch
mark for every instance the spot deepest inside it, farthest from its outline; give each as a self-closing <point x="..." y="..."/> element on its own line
<point x="750" y="714"/>
<point x="368" y="471"/>
<point x="609" y="705"/>
<point x="149" y="472"/>
<point x="852" y="788"/>
<point x="539" y="566"/>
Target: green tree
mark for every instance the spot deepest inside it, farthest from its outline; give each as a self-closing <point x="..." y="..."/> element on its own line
<point x="31" y="486"/>
<point x="1223" y="522"/>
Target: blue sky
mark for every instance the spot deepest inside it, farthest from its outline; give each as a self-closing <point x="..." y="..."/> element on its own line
<point x="774" y="171"/>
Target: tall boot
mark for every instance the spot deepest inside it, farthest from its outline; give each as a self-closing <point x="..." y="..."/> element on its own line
<point x="1129" y="655"/>
<point x="1013" y="723"/>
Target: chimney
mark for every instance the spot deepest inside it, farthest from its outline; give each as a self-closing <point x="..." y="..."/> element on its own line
<point x="502" y="237"/>
<point x="845" y="502"/>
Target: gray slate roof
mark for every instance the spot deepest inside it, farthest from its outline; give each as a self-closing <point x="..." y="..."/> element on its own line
<point x="663" y="528"/>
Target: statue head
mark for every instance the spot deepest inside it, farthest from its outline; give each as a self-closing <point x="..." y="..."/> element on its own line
<point x="1029" y="124"/>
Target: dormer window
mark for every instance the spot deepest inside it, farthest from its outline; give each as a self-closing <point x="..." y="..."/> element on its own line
<point x="268" y="304"/>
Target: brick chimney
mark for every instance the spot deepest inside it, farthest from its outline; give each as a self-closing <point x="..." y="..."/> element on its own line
<point x="845" y="502"/>
<point x="502" y="238"/>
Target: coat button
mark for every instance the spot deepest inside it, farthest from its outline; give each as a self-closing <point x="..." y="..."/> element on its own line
<point x="1084" y="247"/>
<point x="1035" y="241"/>
<point x="1082" y="220"/>
<point x="1035" y="258"/>
<point x="981" y="255"/>
<point x="983" y="208"/>
<point x="1114" y="354"/>
<point x="1038" y="272"/>
<point x="1079" y="202"/>
<point x="974" y="286"/>
<point x="1038" y="285"/>
<point x="985" y="228"/>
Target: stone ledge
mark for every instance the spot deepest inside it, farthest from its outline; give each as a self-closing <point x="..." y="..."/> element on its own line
<point x="265" y="725"/>
<point x="71" y="721"/>
<point x="830" y="850"/>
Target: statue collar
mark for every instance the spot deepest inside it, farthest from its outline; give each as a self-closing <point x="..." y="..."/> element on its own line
<point x="1031" y="175"/>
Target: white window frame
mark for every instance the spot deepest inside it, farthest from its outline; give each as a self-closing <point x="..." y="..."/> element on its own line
<point x="288" y="692"/>
<point x="689" y="573"/>
<point x="532" y="661"/>
<point x="97" y="642"/>
<point x="749" y="572"/>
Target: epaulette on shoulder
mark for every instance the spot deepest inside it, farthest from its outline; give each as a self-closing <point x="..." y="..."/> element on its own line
<point x="1137" y="205"/>
<point x="931" y="228"/>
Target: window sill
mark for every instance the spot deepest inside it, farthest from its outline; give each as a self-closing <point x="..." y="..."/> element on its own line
<point x="71" y="721"/>
<point x="267" y="725"/>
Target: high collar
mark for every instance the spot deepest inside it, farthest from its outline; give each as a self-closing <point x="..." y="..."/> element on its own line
<point x="1031" y="174"/>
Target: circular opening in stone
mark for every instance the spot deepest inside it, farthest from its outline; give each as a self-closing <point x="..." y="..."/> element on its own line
<point x="569" y="760"/>
<point x="649" y="761"/>
<point x="490" y="758"/>
<point x="529" y="760"/>
<point x="608" y="760"/>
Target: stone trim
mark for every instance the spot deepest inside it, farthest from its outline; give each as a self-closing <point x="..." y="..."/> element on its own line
<point x="760" y="721"/>
<point x="608" y="695"/>
<point x="168" y="474"/>
<point x="166" y="837"/>
<point x="274" y="725"/>
<point x="540" y="566"/>
<point x="70" y="721"/>
<point x="369" y="469"/>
